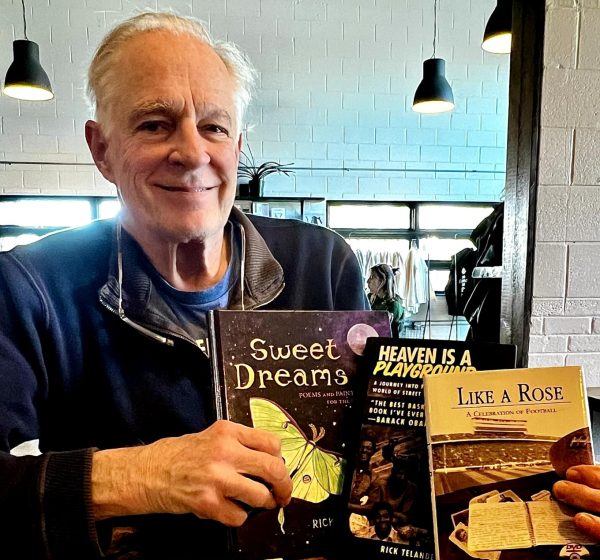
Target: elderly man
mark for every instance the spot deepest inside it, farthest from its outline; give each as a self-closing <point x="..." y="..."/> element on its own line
<point x="102" y="352"/>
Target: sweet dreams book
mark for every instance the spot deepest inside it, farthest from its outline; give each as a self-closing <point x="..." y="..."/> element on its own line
<point x="293" y="373"/>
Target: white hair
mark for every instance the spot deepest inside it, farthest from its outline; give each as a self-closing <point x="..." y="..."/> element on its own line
<point x="102" y="65"/>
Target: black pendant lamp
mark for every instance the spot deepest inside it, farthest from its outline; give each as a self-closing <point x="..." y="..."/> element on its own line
<point x="25" y="78"/>
<point x="497" y="37"/>
<point x="434" y="94"/>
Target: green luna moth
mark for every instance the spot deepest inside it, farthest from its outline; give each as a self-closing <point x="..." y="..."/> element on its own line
<point x="315" y="473"/>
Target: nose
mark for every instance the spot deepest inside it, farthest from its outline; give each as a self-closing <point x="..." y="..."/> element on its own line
<point x="190" y="149"/>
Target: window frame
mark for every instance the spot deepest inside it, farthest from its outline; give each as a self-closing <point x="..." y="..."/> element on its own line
<point x="413" y="231"/>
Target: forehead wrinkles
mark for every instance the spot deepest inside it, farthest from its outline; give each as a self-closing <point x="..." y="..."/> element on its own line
<point x="144" y="62"/>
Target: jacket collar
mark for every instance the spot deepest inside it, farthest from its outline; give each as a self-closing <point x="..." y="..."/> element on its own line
<point x="263" y="275"/>
<point x="262" y="280"/>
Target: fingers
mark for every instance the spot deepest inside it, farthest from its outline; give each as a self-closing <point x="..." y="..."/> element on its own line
<point x="253" y="438"/>
<point x="247" y="465"/>
<point x="227" y="512"/>
<point x="232" y="499"/>
<point x="581" y="489"/>
<point x="248" y="492"/>
<point x="260" y="459"/>
<point x="272" y="474"/>
<point x="213" y="474"/>
<point x="589" y="524"/>
<point x="585" y="474"/>
<point x="578" y="495"/>
<point x="217" y="491"/>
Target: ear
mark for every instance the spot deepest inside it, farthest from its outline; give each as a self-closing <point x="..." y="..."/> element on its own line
<point x="98" y="145"/>
<point x="240" y="143"/>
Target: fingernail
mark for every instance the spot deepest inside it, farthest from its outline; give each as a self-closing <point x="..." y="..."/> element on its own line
<point x="559" y="489"/>
<point x="585" y="519"/>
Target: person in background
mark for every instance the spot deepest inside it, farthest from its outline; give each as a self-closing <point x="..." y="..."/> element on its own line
<point x="382" y="294"/>
<point x="103" y="329"/>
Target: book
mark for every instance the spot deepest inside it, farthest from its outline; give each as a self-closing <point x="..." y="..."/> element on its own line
<point x="293" y="373"/>
<point x="388" y="494"/>
<point x="498" y="440"/>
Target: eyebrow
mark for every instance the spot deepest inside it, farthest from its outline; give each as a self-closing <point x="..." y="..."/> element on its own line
<point x="168" y="108"/>
<point x="152" y="107"/>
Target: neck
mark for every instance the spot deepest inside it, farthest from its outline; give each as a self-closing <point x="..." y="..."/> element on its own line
<point x="190" y="266"/>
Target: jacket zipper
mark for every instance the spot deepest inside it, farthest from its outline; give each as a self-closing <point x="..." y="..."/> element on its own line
<point x="166" y="334"/>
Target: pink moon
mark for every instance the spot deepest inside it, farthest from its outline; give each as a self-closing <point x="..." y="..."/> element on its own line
<point x="357" y="337"/>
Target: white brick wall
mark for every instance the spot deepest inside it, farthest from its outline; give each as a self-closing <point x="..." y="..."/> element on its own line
<point x="566" y="303"/>
<point x="337" y="80"/>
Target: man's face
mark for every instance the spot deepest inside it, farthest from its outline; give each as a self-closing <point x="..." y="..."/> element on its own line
<point x="365" y="451"/>
<point x="170" y="141"/>
<point x="383" y="522"/>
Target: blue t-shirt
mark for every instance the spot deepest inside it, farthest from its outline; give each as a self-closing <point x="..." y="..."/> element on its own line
<point x="191" y="308"/>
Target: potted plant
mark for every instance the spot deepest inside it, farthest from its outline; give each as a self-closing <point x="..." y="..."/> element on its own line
<point x="256" y="173"/>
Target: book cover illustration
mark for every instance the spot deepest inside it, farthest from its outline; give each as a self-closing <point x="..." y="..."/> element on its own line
<point x="498" y="442"/>
<point x="389" y="497"/>
<point x="293" y="373"/>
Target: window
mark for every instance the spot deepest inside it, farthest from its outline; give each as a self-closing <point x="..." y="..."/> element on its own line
<point x="452" y="216"/>
<point x="108" y="208"/>
<point x="440" y="249"/>
<point x="45" y="212"/>
<point x="383" y="245"/>
<point x="440" y="230"/>
<point x="10" y="241"/>
<point x="24" y="219"/>
<point x="383" y="233"/>
<point x="370" y="216"/>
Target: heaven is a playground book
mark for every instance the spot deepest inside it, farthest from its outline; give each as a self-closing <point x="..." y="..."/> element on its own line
<point x="388" y="493"/>
<point x="293" y="373"/>
<point x="498" y="442"/>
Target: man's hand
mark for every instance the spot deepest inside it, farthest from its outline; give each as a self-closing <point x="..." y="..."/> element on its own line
<point x="215" y="474"/>
<point x="582" y="490"/>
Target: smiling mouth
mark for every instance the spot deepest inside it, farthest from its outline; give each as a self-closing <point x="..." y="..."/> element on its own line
<point x="187" y="190"/>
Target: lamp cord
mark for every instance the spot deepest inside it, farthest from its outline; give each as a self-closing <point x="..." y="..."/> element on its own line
<point x="24" y="20"/>
<point x="434" y="25"/>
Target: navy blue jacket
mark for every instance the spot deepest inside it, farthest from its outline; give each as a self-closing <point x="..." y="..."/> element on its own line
<point x="77" y="377"/>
